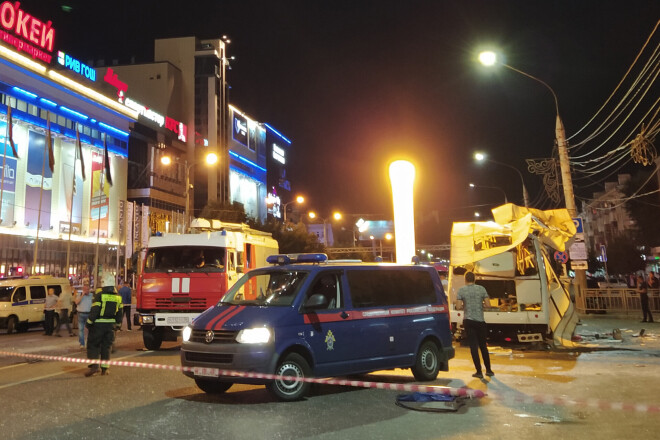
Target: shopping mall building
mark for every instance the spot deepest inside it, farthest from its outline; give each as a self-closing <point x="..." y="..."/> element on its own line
<point x="110" y="126"/>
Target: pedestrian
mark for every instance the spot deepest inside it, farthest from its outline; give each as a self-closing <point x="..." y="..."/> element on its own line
<point x="653" y="281"/>
<point x="642" y="289"/>
<point x="104" y="317"/>
<point x="49" y="311"/>
<point x="83" y="306"/>
<point x="126" y="299"/>
<point x="474" y="299"/>
<point x="64" y="304"/>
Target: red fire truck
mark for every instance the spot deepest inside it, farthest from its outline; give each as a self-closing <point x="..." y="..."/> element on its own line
<point x="185" y="274"/>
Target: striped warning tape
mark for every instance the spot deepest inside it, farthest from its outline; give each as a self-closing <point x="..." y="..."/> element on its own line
<point x="457" y="392"/>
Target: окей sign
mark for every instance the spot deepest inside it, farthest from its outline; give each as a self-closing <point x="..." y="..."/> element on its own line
<point x="28" y="29"/>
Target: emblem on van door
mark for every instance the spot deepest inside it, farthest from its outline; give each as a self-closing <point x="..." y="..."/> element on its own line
<point x="330" y="341"/>
<point x="208" y="337"/>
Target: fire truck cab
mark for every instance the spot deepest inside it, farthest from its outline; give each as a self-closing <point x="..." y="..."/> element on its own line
<point x="185" y="274"/>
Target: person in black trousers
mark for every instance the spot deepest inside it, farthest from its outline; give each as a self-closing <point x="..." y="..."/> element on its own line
<point x="642" y="289"/>
<point x="474" y="298"/>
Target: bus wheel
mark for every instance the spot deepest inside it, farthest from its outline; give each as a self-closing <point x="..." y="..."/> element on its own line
<point x="152" y="337"/>
<point x="212" y="386"/>
<point x="289" y="390"/>
<point x="12" y="324"/>
<point x="427" y="363"/>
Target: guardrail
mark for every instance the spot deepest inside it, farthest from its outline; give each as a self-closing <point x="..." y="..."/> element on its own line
<point x="615" y="300"/>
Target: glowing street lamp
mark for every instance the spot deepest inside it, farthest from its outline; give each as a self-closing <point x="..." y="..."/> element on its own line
<point x="299" y="200"/>
<point x="335" y="215"/>
<point x="402" y="178"/>
<point x="472" y="185"/>
<point x="209" y="159"/>
<point x="481" y="157"/>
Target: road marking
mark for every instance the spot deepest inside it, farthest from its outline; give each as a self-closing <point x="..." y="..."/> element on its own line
<point x="48" y="375"/>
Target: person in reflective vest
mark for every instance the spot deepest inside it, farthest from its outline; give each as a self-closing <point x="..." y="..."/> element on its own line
<point x="104" y="317"/>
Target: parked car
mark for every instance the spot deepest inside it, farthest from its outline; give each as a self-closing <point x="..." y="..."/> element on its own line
<point x="613" y="282"/>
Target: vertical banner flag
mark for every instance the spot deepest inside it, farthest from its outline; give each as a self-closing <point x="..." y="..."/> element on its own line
<point x="100" y="199"/>
<point x="10" y="128"/>
<point x="80" y="152"/>
<point x="34" y="181"/>
<point x="49" y="144"/>
<point x="106" y="159"/>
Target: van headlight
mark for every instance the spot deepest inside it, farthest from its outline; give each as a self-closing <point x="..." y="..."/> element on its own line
<point x="187" y="333"/>
<point x="253" y="336"/>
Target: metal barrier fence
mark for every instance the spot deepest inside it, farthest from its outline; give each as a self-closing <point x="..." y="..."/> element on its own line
<point x="615" y="300"/>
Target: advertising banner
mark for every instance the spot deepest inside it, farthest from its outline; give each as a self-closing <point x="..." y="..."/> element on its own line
<point x="129" y="230"/>
<point x="38" y="175"/>
<point x="100" y="199"/>
<point x="7" y="178"/>
<point x="71" y="194"/>
<point x="240" y="129"/>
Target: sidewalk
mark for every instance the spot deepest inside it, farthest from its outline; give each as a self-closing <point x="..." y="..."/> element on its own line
<point x="598" y="331"/>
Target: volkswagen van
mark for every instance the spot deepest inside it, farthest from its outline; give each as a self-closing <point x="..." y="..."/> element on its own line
<point x="305" y="316"/>
<point x="22" y="300"/>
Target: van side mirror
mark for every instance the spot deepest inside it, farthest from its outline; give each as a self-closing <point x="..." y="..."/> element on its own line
<point x="316" y="301"/>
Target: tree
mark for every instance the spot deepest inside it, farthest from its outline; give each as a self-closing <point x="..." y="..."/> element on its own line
<point x="226" y="212"/>
<point x="623" y="256"/>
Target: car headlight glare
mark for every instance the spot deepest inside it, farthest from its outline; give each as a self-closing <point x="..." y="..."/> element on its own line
<point x="253" y="336"/>
<point x="187" y="333"/>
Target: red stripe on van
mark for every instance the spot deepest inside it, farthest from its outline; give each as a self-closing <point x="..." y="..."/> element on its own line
<point x="218" y="325"/>
<point x="374" y="313"/>
<point x="212" y="322"/>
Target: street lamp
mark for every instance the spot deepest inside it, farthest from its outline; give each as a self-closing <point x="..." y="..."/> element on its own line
<point x="299" y="200"/>
<point x="209" y="159"/>
<point x="480" y="157"/>
<point x="472" y="185"/>
<point x="489" y="58"/>
<point x="335" y="215"/>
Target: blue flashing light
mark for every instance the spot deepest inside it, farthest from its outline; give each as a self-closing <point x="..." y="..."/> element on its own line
<point x="278" y="133"/>
<point x="278" y="259"/>
<point x="73" y="112"/>
<point x="24" y="92"/>
<point x="48" y="102"/>
<point x="247" y="161"/>
<point x="311" y="258"/>
<point x="113" y="129"/>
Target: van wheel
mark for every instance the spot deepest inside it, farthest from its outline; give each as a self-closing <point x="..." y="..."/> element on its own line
<point x="12" y="325"/>
<point x="427" y="363"/>
<point x="152" y="337"/>
<point x="293" y="365"/>
<point x="212" y="386"/>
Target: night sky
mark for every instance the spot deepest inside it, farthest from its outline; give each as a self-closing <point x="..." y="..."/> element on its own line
<point x="356" y="84"/>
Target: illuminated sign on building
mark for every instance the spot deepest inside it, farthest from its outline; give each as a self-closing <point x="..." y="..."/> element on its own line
<point x="279" y="154"/>
<point x="179" y="128"/>
<point x="240" y="129"/>
<point x="75" y="65"/>
<point x="29" y="30"/>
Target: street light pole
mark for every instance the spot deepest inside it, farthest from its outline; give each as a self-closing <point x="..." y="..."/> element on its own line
<point x="472" y="185"/>
<point x="481" y="156"/>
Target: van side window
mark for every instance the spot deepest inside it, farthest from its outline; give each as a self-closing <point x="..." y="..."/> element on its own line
<point x="19" y="294"/>
<point x="5" y="293"/>
<point x="328" y="285"/>
<point x="37" y="292"/>
<point x="57" y="288"/>
<point x="377" y="288"/>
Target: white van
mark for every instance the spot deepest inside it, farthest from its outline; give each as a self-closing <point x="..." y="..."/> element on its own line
<point x="22" y="300"/>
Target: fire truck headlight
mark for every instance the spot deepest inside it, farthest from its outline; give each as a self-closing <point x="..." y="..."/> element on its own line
<point x="253" y="336"/>
<point x="187" y="333"/>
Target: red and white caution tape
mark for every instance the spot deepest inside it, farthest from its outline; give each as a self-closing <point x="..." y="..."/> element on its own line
<point x="457" y="392"/>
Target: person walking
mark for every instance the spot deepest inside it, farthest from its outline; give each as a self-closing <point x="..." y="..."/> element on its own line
<point x="642" y="289"/>
<point x="64" y="304"/>
<point x="104" y="317"/>
<point x="474" y="299"/>
<point x="49" y="312"/>
<point x="126" y="299"/>
<point x="83" y="306"/>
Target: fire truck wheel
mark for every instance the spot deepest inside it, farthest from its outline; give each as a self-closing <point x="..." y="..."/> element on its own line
<point x="212" y="386"/>
<point x="152" y="337"/>
<point x="293" y="365"/>
<point x="427" y="364"/>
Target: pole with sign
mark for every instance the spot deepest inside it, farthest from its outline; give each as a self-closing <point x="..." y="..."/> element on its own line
<point x="603" y="256"/>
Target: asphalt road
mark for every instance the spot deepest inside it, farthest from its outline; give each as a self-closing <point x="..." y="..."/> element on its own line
<point x="53" y="400"/>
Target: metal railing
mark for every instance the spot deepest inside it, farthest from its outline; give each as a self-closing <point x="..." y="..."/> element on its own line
<point x="615" y="300"/>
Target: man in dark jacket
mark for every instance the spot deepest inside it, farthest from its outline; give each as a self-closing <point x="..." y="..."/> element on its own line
<point x="105" y="315"/>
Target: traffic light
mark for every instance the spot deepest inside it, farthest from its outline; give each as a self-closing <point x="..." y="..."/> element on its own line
<point x="19" y="270"/>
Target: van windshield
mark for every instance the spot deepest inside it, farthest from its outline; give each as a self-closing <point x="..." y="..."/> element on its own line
<point x="185" y="259"/>
<point x="276" y="288"/>
<point x="5" y="293"/>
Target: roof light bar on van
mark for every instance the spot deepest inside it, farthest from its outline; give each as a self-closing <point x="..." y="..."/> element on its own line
<point x="282" y="259"/>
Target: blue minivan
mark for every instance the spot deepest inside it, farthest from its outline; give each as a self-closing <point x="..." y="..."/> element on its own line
<point x="305" y="316"/>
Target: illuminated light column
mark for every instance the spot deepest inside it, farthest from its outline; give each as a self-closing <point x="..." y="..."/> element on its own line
<point x="402" y="177"/>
